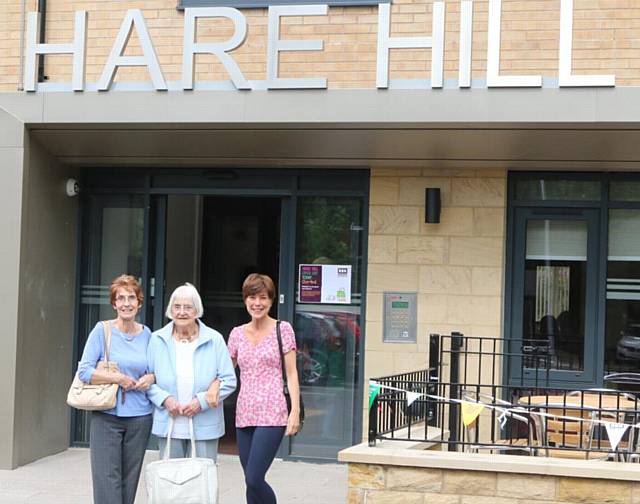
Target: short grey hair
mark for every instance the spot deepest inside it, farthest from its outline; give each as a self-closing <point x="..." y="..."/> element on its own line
<point x="185" y="291"/>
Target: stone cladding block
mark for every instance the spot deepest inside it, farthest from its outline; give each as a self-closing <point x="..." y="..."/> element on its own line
<point x="475" y="499"/>
<point x="366" y="476"/>
<point x="385" y="277"/>
<point x="398" y="220"/>
<point x="478" y="192"/>
<point x="475" y="251"/>
<point x="438" y="498"/>
<point x="382" y="249"/>
<point x="355" y="496"/>
<point x="486" y="281"/>
<point x="387" y="497"/>
<point x="525" y="486"/>
<point x="414" y="479"/>
<point x="593" y="491"/>
<point x="470" y="483"/>
<point x="635" y="493"/>
<point x="488" y="221"/>
<point x="445" y="279"/>
<point x="384" y="191"/>
<point x="422" y="250"/>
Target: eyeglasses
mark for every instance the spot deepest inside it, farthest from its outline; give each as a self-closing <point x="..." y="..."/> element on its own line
<point x="187" y="308"/>
<point x="131" y="298"/>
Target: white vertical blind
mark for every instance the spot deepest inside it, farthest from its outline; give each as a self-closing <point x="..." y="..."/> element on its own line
<point x="624" y="235"/>
<point x="556" y="240"/>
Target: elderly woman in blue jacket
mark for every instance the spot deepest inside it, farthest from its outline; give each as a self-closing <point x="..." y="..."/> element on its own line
<point x="187" y="357"/>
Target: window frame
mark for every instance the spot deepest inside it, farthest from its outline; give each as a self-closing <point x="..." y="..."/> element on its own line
<point x="603" y="206"/>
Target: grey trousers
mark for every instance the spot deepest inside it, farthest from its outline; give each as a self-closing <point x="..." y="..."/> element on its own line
<point x="117" y="446"/>
<point x="181" y="448"/>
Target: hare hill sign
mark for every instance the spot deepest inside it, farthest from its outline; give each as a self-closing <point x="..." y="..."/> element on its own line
<point x="134" y="22"/>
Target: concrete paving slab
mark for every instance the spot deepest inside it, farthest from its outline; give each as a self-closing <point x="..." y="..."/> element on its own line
<point x="65" y="478"/>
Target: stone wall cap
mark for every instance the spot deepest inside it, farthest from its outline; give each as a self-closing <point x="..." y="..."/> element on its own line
<point x="398" y="455"/>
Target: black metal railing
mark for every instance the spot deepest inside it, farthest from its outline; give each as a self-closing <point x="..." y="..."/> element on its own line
<point x="391" y="418"/>
<point x="530" y="414"/>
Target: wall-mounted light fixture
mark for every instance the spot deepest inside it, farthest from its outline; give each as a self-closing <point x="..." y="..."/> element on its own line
<point x="432" y="205"/>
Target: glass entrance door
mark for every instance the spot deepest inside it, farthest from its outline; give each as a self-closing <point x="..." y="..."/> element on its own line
<point x="234" y="237"/>
<point x="328" y="233"/>
<point x="115" y="240"/>
<point x="554" y="295"/>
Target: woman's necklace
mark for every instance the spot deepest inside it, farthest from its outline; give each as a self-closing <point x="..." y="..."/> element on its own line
<point x="188" y="337"/>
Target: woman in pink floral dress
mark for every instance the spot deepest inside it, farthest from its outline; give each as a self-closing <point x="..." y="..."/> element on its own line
<point x="261" y="411"/>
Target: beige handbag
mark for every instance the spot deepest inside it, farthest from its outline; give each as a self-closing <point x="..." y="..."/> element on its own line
<point x="86" y="396"/>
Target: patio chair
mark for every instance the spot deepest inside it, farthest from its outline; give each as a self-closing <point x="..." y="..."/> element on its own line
<point x="512" y="439"/>
<point x="599" y="437"/>
<point x="623" y="415"/>
<point x="626" y="379"/>
<point x="568" y="438"/>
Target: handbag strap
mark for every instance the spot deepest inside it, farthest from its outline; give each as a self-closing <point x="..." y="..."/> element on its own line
<point x="192" y="438"/>
<point x="279" y="338"/>
<point x="107" y="338"/>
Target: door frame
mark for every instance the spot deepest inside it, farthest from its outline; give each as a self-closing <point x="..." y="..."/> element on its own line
<point x="522" y="216"/>
<point x="286" y="184"/>
<point x="600" y="205"/>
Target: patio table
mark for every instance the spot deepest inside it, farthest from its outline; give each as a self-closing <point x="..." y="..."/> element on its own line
<point x="587" y="400"/>
<point x="600" y="404"/>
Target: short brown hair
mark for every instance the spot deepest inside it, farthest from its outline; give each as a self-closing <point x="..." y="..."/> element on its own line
<point x="125" y="282"/>
<point x="255" y="283"/>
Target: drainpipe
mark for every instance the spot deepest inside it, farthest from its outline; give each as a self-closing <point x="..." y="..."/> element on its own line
<point x="23" y="16"/>
<point x="42" y="9"/>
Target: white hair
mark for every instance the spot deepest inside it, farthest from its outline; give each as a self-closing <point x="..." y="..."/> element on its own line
<point x="186" y="291"/>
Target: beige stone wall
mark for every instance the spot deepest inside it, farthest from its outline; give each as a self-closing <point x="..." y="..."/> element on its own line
<point x="377" y="484"/>
<point x="456" y="266"/>
<point x="606" y="40"/>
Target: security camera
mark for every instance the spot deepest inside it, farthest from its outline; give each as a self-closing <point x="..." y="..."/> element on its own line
<point x="72" y="187"/>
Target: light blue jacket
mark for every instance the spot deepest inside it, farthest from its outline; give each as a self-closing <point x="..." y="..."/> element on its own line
<point x="211" y="360"/>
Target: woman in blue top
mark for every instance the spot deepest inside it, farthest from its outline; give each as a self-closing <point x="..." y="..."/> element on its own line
<point x="187" y="357"/>
<point x="118" y="437"/>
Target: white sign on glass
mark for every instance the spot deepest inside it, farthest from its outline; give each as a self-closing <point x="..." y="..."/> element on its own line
<point x="324" y="283"/>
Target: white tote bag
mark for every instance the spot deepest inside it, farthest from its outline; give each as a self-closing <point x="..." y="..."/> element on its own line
<point x="181" y="480"/>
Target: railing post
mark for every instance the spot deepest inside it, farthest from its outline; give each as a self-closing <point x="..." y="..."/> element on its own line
<point x="434" y="352"/>
<point x="373" y="422"/>
<point x="434" y="366"/>
<point x="454" y="392"/>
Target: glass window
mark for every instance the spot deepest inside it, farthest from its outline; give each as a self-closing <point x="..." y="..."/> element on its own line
<point x="115" y="229"/>
<point x="541" y="189"/>
<point x="329" y="232"/>
<point x="552" y="239"/>
<point x="627" y="190"/>
<point x="622" y="339"/>
<point x="554" y="293"/>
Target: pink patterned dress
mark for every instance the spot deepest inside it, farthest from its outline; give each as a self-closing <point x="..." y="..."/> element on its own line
<point x="261" y="400"/>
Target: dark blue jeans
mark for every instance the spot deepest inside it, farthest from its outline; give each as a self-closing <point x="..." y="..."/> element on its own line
<point x="258" y="447"/>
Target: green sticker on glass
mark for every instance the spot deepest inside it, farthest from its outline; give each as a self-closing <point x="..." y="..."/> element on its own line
<point x="374" y="389"/>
